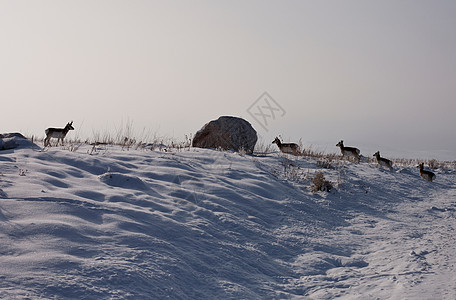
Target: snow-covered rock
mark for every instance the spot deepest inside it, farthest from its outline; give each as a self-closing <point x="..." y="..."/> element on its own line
<point x="10" y="141"/>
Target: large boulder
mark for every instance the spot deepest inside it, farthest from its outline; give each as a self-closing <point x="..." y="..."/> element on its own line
<point x="228" y="133"/>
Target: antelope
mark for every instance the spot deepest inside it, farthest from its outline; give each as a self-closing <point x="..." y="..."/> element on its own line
<point x="58" y="133"/>
<point x="383" y="162"/>
<point x="349" y="151"/>
<point x="426" y="175"/>
<point x="290" y="148"/>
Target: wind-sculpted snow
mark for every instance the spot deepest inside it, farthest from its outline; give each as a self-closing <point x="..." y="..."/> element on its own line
<point x="204" y="224"/>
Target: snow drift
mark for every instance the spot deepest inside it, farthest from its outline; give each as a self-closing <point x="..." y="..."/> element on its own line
<point x="204" y="224"/>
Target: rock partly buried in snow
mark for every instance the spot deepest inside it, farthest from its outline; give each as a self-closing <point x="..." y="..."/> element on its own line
<point x="123" y="181"/>
<point x="15" y="140"/>
<point x="228" y="133"/>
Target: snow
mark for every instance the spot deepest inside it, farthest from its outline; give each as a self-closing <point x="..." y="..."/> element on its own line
<point x="203" y="224"/>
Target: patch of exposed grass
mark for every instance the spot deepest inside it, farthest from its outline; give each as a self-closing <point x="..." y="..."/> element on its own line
<point x="320" y="184"/>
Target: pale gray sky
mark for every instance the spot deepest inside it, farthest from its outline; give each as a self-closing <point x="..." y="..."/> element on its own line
<point x="378" y="74"/>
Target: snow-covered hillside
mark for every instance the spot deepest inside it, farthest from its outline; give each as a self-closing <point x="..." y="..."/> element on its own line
<point x="202" y="224"/>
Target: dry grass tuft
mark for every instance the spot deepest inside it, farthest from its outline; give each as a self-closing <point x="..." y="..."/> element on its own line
<point x="320" y="184"/>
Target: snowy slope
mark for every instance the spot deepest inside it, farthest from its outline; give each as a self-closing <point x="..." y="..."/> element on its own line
<point x="204" y="224"/>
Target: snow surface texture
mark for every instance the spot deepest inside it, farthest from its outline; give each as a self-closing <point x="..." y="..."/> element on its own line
<point x="204" y="224"/>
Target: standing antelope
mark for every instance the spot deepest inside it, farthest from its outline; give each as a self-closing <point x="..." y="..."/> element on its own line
<point x="426" y="175"/>
<point x="290" y="148"/>
<point x="349" y="151"/>
<point x="58" y="133"/>
<point x="383" y="162"/>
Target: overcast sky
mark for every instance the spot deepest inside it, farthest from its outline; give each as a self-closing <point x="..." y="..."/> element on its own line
<point x="378" y="74"/>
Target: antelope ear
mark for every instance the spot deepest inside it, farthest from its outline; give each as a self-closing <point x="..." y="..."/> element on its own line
<point x="71" y="123"/>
